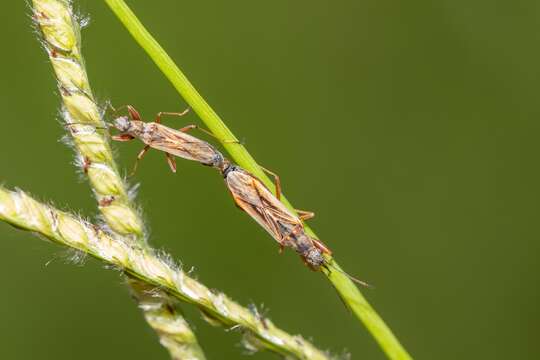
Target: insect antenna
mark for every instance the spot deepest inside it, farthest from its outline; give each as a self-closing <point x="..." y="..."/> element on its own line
<point x="358" y="281"/>
<point x="106" y="127"/>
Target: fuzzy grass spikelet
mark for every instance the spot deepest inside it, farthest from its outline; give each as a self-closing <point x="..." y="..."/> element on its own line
<point x="345" y="287"/>
<point x="158" y="308"/>
<point x="60" y="37"/>
<point x="22" y="211"/>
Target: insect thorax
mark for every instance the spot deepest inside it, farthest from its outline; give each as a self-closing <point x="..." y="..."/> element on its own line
<point x="217" y="160"/>
<point x="226" y="168"/>
<point x="136" y="128"/>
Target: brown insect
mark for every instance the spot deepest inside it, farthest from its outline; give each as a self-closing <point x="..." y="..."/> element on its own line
<point x="160" y="137"/>
<point x="253" y="197"/>
<point x="248" y="192"/>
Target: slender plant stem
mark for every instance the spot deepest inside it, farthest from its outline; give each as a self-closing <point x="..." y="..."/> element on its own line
<point x="161" y="312"/>
<point x="344" y="286"/>
<point x="26" y="213"/>
<point x="127" y="248"/>
<point x="61" y="39"/>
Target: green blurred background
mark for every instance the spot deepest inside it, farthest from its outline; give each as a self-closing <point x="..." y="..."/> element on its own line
<point x="410" y="128"/>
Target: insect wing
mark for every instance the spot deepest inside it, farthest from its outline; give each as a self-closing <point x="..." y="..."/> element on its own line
<point x="256" y="200"/>
<point x="183" y="145"/>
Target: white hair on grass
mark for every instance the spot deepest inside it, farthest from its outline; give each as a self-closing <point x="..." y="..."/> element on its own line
<point x="260" y="312"/>
<point x="59" y="33"/>
<point x="191" y="271"/>
<point x="145" y="230"/>
<point x="169" y="260"/>
<point x="67" y="140"/>
<point x="83" y="20"/>
<point x="79" y="161"/>
<point x="75" y="257"/>
<point x="158" y="270"/>
<point x="344" y="355"/>
<point x="133" y="191"/>
<point x="81" y="166"/>
<point x="250" y="344"/>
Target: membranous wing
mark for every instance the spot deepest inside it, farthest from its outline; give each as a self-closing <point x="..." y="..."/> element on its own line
<point x="182" y="145"/>
<point x="254" y="198"/>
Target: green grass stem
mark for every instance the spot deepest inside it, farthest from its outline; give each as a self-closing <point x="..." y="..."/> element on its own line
<point x="344" y="286"/>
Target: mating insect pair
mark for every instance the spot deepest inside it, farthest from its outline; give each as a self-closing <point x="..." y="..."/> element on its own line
<point x="248" y="192"/>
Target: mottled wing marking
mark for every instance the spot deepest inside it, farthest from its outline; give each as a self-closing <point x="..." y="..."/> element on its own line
<point x="247" y="198"/>
<point x="260" y="217"/>
<point x="255" y="199"/>
<point x="285" y="222"/>
<point x="182" y="145"/>
<point x="241" y="184"/>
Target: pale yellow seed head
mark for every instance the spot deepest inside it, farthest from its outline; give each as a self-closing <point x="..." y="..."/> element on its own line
<point x="82" y="108"/>
<point x="93" y="146"/>
<point x="70" y="74"/>
<point x="104" y="180"/>
<point x="55" y="19"/>
<point x="35" y="215"/>
<point x="157" y="268"/>
<point x="122" y="219"/>
<point x="71" y="230"/>
<point x="6" y="204"/>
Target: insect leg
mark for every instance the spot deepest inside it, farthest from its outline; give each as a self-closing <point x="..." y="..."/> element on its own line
<point x="277" y="181"/>
<point x="305" y="215"/>
<point x="122" y="137"/>
<point x="193" y="126"/>
<point x="139" y="157"/>
<point x="319" y="245"/>
<point x="283" y="242"/>
<point x="171" y="161"/>
<point x="158" y="116"/>
<point x="187" y="128"/>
